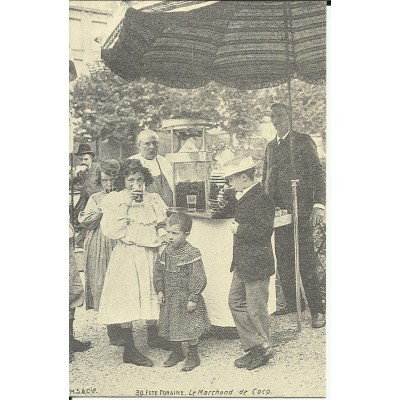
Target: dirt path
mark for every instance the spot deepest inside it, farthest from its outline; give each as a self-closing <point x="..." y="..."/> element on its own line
<point x="297" y="369"/>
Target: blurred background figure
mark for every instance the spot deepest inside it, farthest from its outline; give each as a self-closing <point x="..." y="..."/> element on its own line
<point x="192" y="144"/>
<point x="97" y="247"/>
<point x="76" y="296"/>
<point x="87" y="179"/>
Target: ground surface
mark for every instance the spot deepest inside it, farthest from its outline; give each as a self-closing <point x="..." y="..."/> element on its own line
<point x="296" y="370"/>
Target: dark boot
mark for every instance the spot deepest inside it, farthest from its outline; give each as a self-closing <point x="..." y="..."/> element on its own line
<point x="259" y="357"/>
<point x="244" y="361"/>
<point x="192" y="359"/>
<point x="155" y="341"/>
<point x="176" y="356"/>
<point x="114" y="334"/>
<point x="74" y="344"/>
<point x="318" y="320"/>
<point x="131" y="354"/>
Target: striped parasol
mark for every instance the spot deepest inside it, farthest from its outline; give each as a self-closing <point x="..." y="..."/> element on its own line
<point x="243" y="44"/>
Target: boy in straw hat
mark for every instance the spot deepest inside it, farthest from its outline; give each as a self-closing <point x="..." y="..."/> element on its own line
<point x="253" y="262"/>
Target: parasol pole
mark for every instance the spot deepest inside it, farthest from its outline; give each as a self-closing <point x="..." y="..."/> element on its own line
<point x="289" y="86"/>
<point x="295" y="180"/>
<point x="287" y="17"/>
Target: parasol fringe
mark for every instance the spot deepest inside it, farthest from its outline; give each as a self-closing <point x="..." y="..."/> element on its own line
<point x="147" y="45"/>
<point x="178" y="84"/>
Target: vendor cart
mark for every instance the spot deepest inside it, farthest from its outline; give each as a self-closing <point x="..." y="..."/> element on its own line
<point x="195" y="186"/>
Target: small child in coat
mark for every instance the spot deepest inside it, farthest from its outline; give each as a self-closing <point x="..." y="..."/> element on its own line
<point x="179" y="280"/>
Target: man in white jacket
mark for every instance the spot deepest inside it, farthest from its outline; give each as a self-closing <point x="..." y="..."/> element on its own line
<point x="160" y="169"/>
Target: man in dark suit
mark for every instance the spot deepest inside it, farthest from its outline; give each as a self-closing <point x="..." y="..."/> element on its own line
<point x="293" y="155"/>
<point x="252" y="264"/>
<point x="88" y="179"/>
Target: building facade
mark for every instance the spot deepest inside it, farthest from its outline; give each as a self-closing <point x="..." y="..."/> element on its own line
<point x="88" y="23"/>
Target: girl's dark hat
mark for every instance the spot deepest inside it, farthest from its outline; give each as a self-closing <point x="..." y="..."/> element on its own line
<point x="84" y="148"/>
<point x="110" y="167"/>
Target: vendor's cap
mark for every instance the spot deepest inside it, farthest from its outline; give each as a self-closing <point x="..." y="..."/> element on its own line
<point x="237" y="165"/>
<point x="84" y="148"/>
<point x="110" y="167"/>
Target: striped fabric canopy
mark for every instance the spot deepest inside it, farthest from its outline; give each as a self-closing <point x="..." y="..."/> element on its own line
<point x="243" y="44"/>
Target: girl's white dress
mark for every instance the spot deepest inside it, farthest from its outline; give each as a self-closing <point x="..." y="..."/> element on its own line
<point x="128" y="291"/>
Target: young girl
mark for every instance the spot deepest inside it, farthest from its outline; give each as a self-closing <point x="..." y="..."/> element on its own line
<point x="135" y="218"/>
<point x="179" y="279"/>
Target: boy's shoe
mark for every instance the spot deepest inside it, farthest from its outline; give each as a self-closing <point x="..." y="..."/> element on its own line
<point x="269" y="351"/>
<point x="260" y="356"/>
<point x="176" y="356"/>
<point x="318" y="320"/>
<point x="257" y="361"/>
<point x="192" y="359"/>
<point x="257" y="356"/>
<point x="243" y="361"/>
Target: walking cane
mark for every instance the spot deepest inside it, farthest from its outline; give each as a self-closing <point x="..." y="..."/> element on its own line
<point x="296" y="251"/>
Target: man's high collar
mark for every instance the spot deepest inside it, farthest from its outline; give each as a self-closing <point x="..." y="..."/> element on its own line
<point x="239" y="195"/>
<point x="283" y="137"/>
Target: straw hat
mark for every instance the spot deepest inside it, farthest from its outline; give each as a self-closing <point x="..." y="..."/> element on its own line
<point x="237" y="165"/>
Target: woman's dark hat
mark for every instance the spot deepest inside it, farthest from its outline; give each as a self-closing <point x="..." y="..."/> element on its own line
<point x="110" y="167"/>
<point x="84" y="148"/>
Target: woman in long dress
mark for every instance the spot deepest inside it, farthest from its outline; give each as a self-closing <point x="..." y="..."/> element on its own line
<point x="97" y="247"/>
<point x="136" y="220"/>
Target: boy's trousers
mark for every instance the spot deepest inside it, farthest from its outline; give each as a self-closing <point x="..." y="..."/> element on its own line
<point x="248" y="302"/>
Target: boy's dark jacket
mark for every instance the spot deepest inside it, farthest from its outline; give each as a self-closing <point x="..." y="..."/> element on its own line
<point x="253" y="257"/>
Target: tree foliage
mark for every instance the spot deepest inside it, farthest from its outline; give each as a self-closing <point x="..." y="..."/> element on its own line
<point x="104" y="105"/>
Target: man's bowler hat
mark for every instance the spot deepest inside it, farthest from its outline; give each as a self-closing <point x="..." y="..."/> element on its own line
<point x="84" y="148"/>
